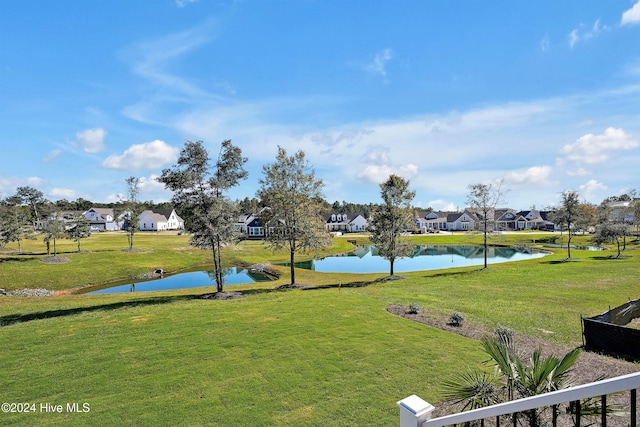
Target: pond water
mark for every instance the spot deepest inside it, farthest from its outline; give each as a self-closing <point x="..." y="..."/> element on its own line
<point x="365" y="259"/>
<point x="192" y="279"/>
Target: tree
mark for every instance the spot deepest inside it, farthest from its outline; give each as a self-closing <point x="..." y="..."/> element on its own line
<point x="14" y="223"/>
<point x="199" y="194"/>
<point x="291" y="191"/>
<point x="567" y="215"/>
<point x="391" y="219"/>
<point x="36" y="202"/>
<point x="611" y="232"/>
<point x="53" y="229"/>
<point x="131" y="208"/>
<point x="483" y="199"/>
<point x="80" y="228"/>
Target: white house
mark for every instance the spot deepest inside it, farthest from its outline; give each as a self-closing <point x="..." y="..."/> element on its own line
<point x="160" y="220"/>
<point x="345" y="222"/>
<point x="461" y="221"/>
<point x="102" y="219"/>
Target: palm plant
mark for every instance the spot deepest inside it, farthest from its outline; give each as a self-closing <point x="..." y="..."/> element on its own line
<point x="516" y="378"/>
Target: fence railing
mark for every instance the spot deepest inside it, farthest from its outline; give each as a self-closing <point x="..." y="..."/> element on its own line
<point x="415" y="412"/>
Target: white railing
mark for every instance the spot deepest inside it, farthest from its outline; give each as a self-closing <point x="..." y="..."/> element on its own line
<point x="415" y="412"/>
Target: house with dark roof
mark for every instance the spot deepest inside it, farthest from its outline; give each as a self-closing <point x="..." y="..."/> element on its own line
<point x="349" y="222"/>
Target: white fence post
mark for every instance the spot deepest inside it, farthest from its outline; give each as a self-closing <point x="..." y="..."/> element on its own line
<point x="414" y="411"/>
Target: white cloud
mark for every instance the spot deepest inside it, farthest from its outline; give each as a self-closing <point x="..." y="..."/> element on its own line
<point x="442" y="205"/>
<point x="150" y="59"/>
<point x="379" y="63"/>
<point x="34" y="181"/>
<point x="377" y="155"/>
<point x="380" y="173"/>
<point x="535" y="175"/>
<point x="63" y="193"/>
<point x="579" y="172"/>
<point x="631" y="16"/>
<point x="573" y="38"/>
<point x="590" y="189"/>
<point x="52" y="155"/>
<point x="544" y="43"/>
<point x="91" y="140"/>
<point x="147" y="156"/>
<point x="183" y="3"/>
<point x="592" y="149"/>
<point x="581" y="33"/>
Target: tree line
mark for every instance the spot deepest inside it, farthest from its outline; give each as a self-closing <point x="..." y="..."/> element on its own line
<point x="293" y="203"/>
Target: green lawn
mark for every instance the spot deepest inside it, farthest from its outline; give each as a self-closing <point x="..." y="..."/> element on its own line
<point x="326" y="356"/>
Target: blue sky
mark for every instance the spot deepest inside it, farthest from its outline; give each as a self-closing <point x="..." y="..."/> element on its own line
<point x="544" y="95"/>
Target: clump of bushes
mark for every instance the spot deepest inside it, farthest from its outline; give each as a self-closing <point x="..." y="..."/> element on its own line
<point x="455" y="319"/>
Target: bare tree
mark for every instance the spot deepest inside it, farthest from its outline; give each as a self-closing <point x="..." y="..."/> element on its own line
<point x="483" y="199"/>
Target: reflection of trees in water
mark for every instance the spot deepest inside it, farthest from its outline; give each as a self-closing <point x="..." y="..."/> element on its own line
<point x="224" y="272"/>
<point x="465" y="251"/>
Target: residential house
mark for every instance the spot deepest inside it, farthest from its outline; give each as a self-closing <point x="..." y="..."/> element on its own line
<point x="462" y="221"/>
<point x="160" y="220"/>
<point x="102" y="219"/>
<point x="432" y="221"/>
<point x="345" y="222"/>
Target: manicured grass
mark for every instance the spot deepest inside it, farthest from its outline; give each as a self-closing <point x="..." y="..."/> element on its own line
<point x="326" y="356"/>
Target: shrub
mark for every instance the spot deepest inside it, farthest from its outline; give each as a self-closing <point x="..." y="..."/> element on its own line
<point x="455" y="319"/>
<point x="414" y="308"/>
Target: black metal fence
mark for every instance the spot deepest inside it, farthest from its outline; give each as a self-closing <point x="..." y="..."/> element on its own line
<point x="608" y="332"/>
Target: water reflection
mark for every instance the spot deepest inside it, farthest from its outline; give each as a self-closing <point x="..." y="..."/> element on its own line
<point x="193" y="279"/>
<point x="366" y="259"/>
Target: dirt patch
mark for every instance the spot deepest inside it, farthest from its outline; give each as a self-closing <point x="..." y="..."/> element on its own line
<point x="55" y="259"/>
<point x="222" y="295"/>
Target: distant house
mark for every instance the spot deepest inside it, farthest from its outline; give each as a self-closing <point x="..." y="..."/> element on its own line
<point x="432" y="221"/>
<point x="345" y="222"/>
<point x="160" y="220"/>
<point x="462" y="221"/>
<point x="102" y="219"/>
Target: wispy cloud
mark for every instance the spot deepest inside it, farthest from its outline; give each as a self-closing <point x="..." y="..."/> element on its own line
<point x="583" y="33"/>
<point x="151" y="59"/>
<point x="631" y="16"/>
<point x="544" y="43"/>
<point x="183" y="3"/>
<point x="52" y="155"/>
<point x="379" y="63"/>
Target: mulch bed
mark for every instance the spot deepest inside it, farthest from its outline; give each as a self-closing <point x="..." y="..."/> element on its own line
<point x="589" y="367"/>
<point x="55" y="259"/>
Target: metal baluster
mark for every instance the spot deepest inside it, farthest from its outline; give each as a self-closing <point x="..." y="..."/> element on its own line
<point x="498" y="421"/>
<point x="554" y="416"/>
<point x="604" y="410"/>
<point x="633" y="407"/>
<point x="578" y="408"/>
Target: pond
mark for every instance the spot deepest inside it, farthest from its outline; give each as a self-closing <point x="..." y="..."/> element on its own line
<point x="192" y="279"/>
<point x="365" y="259"/>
